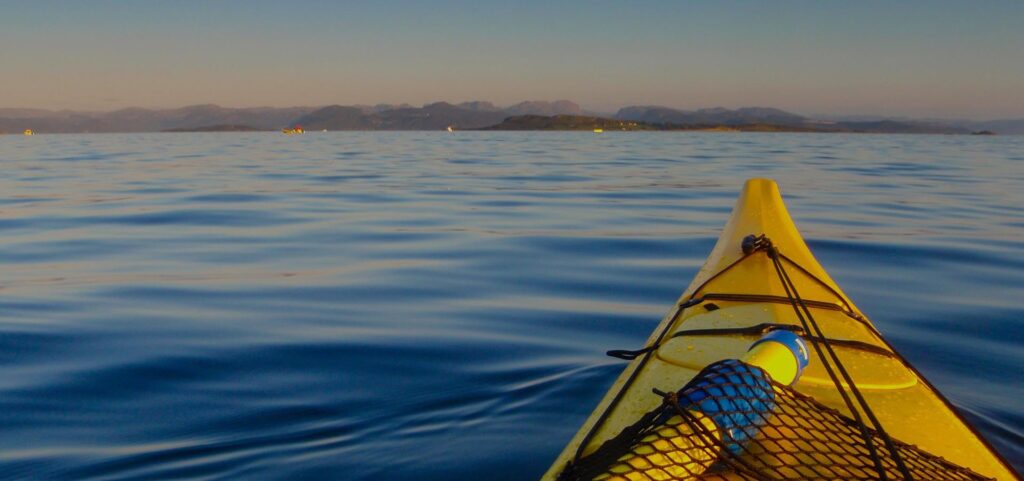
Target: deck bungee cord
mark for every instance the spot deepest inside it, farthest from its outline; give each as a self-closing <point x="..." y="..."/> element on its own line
<point x="758" y="329"/>
<point x="763" y="243"/>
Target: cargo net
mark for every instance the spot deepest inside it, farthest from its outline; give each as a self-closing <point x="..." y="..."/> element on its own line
<point x="733" y="422"/>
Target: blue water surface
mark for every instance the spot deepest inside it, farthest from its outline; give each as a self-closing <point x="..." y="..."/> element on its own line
<point x="433" y="306"/>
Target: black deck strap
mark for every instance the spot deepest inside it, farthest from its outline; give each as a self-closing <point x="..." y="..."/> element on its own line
<point x="768" y="298"/>
<point x="628" y="355"/>
<point x="693" y="301"/>
<point x="757" y="329"/>
<point x="858" y="345"/>
<point x="766" y="327"/>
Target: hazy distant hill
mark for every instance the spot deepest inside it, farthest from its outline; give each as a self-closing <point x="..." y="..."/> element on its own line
<point x="568" y="122"/>
<point x="748" y="115"/>
<point x="379" y="107"/>
<point x="436" y="116"/>
<point x="337" y="117"/>
<point x="479" y="105"/>
<point x="10" y="113"/>
<point x="583" y="122"/>
<point x="538" y="107"/>
<point x="147" y="120"/>
<point x="199" y="115"/>
<point x="782" y="120"/>
<point x="1004" y="127"/>
<point x="532" y="107"/>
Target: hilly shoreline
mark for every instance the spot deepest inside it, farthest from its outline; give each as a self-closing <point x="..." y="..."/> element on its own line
<point x="474" y="115"/>
<point x="585" y="123"/>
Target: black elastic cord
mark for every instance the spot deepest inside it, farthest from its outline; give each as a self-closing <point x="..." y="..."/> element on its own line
<point x="766" y="327"/>
<point x="810" y="322"/>
<point x="628" y="355"/>
<point x="812" y="276"/>
<point x="767" y="298"/>
<point x="828" y="368"/>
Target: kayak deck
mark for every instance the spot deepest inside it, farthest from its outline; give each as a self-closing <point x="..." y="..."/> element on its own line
<point x="733" y="293"/>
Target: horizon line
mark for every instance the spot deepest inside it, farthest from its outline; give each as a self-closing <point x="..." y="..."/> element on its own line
<point x="584" y="110"/>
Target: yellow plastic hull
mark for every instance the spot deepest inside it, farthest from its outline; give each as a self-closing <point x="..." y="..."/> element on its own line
<point x="909" y="408"/>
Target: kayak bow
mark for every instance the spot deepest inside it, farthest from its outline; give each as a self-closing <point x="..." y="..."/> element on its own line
<point x="737" y="296"/>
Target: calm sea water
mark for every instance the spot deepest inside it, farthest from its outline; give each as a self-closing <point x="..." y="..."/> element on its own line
<point x="436" y="307"/>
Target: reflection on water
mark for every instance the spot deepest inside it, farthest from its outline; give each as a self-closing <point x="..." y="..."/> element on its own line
<point x="433" y="306"/>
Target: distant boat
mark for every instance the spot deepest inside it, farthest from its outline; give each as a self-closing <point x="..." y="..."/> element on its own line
<point x="451" y="129"/>
<point x="294" y="130"/>
<point x="29" y="132"/>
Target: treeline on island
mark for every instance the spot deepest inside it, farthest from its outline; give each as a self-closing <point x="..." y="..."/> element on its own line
<point x="477" y="115"/>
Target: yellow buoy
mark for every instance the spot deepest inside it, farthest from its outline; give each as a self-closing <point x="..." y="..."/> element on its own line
<point x="598" y="131"/>
<point x="29" y="132"/>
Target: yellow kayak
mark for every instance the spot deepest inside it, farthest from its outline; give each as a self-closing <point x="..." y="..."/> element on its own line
<point x="760" y="277"/>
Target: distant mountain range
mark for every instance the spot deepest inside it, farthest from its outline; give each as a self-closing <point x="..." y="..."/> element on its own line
<point x="435" y="116"/>
<point x="147" y="120"/>
<point x="470" y="115"/>
<point x="583" y="122"/>
<point x="771" y="116"/>
<point x="664" y="115"/>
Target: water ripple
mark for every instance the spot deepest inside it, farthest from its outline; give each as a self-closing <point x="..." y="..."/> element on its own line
<point x="433" y="306"/>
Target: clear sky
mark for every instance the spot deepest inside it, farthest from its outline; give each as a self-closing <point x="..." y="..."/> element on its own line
<point x="917" y="58"/>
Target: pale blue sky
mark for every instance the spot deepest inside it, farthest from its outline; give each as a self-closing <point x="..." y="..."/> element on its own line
<point x="919" y="58"/>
